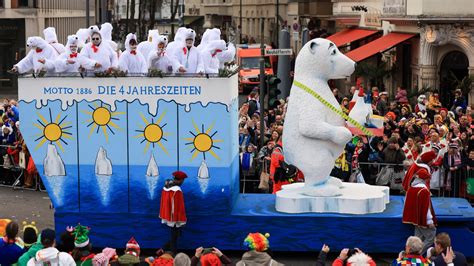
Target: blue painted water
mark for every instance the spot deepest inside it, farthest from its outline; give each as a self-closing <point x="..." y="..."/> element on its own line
<point x="128" y="190"/>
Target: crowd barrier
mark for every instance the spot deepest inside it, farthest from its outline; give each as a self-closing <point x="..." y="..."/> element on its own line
<point x="464" y="179"/>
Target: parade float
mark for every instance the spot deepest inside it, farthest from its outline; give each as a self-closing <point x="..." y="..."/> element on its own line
<point x="104" y="147"/>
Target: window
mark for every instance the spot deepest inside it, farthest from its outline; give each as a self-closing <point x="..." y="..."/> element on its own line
<point x="23" y="3"/>
<point x="254" y="62"/>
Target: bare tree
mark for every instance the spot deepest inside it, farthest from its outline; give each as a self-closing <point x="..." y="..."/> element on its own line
<point x="174" y="10"/>
<point x="152" y="13"/>
<point x="128" y="20"/>
<point x="132" y="15"/>
<point x="142" y="22"/>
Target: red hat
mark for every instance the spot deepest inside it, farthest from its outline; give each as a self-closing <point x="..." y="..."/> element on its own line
<point x="428" y="156"/>
<point x="443" y="109"/>
<point x="210" y="259"/>
<point x="179" y="175"/>
<point x="133" y="244"/>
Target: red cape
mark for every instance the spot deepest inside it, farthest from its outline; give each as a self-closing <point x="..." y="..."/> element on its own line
<point x="417" y="204"/>
<point x="172" y="211"/>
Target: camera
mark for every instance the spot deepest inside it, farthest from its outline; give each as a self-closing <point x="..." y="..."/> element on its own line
<point x="207" y="251"/>
<point x="351" y="252"/>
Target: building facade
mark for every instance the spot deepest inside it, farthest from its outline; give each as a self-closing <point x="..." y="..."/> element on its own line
<point x="438" y="50"/>
<point x="445" y="48"/>
<point x="242" y="18"/>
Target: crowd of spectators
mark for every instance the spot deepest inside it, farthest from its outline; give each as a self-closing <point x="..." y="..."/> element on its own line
<point x="75" y="248"/>
<point x="13" y="152"/>
<point x="410" y="128"/>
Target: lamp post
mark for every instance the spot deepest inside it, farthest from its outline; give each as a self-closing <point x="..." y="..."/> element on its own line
<point x="88" y="14"/>
<point x="240" y="21"/>
<point x="277" y="28"/>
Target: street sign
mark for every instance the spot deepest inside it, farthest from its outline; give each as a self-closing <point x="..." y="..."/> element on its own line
<point x="296" y="36"/>
<point x="278" y="52"/>
<point x="296" y="26"/>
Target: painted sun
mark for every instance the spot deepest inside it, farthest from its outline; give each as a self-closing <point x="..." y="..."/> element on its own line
<point x="102" y="117"/>
<point x="52" y="131"/>
<point x="152" y="132"/>
<point x="202" y="142"/>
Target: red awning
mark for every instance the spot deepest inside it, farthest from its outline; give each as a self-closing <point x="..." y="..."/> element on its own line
<point x="377" y="46"/>
<point x="349" y="35"/>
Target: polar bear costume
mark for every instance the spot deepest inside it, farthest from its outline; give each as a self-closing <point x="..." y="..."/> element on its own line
<point x="227" y="55"/>
<point x="132" y="61"/>
<point x="209" y="55"/>
<point x="51" y="37"/>
<point x="102" y="54"/>
<point x="160" y="59"/>
<point x="178" y="40"/>
<point x="313" y="135"/>
<point x="83" y="35"/>
<point x="149" y="45"/>
<point x="189" y="58"/>
<point x="208" y="36"/>
<point x="40" y="50"/>
<point x="106" y="33"/>
<point x="63" y="63"/>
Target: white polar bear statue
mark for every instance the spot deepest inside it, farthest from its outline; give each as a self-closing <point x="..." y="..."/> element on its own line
<point x="314" y="136"/>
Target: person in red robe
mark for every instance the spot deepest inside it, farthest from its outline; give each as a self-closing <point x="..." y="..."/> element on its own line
<point x="418" y="209"/>
<point x="172" y="210"/>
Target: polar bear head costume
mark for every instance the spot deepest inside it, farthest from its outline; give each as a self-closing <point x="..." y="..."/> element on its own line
<point x="130" y="36"/>
<point x="179" y="36"/>
<point x="216" y="46"/>
<point x="50" y="35"/>
<point x="152" y="34"/>
<point x="83" y="35"/>
<point x="72" y="43"/>
<point x="209" y="35"/>
<point x="161" y="39"/>
<point x="106" y="31"/>
<point x="314" y="134"/>
<point x="189" y="34"/>
<point x="36" y="42"/>
<point x="327" y="62"/>
<point x="94" y="29"/>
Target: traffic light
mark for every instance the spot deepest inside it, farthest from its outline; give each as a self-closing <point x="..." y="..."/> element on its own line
<point x="273" y="91"/>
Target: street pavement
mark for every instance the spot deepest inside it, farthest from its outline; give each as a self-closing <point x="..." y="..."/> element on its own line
<point x="26" y="205"/>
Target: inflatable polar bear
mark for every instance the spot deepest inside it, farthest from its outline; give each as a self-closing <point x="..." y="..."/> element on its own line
<point x="314" y="136"/>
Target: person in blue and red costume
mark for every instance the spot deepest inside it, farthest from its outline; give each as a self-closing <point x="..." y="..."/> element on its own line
<point x="418" y="209"/>
<point x="172" y="210"/>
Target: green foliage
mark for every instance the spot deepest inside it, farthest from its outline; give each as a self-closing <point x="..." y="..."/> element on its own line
<point x="465" y="85"/>
<point x="373" y="72"/>
<point x="153" y="72"/>
<point x="413" y="94"/>
<point x="227" y="72"/>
